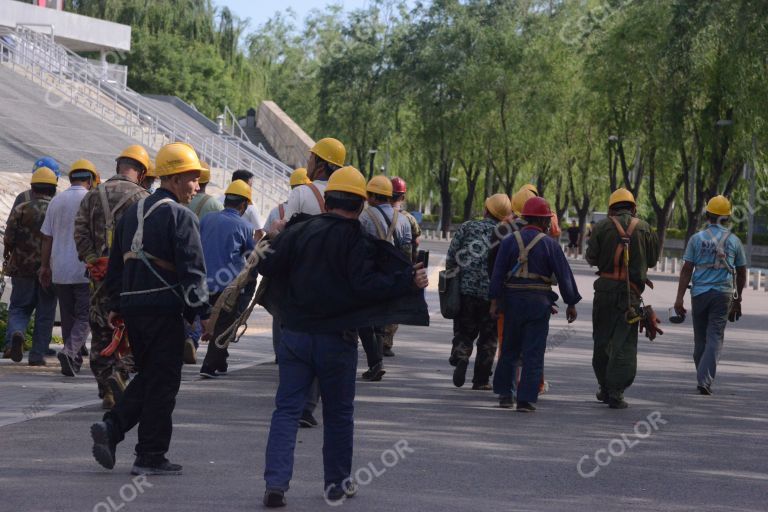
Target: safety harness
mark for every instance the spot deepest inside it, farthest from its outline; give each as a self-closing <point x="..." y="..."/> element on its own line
<point x="388" y="235"/>
<point x="109" y="215"/>
<point x="520" y="270"/>
<point x="201" y="204"/>
<point x="621" y="265"/>
<point x="318" y="196"/>
<point x="721" y="258"/>
<point x="137" y="251"/>
<point x="281" y="211"/>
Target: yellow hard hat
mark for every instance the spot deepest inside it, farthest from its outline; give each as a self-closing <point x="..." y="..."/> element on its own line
<point x="519" y="199"/>
<point x="152" y="170"/>
<point x="347" y="179"/>
<point x="83" y="165"/>
<point x="498" y="205"/>
<point x="44" y="176"/>
<point x="239" y="188"/>
<point x="299" y="177"/>
<point x="530" y="187"/>
<point x="137" y="153"/>
<point x="621" y="195"/>
<point x="205" y="173"/>
<point x="330" y="150"/>
<point x="177" y="158"/>
<point x="719" y="205"/>
<point x="380" y="185"/>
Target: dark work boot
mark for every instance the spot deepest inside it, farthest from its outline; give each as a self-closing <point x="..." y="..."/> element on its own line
<point x="602" y="396"/>
<point x="617" y="403"/>
<point x="460" y="373"/>
<point x="274" y="498"/>
<point x="154" y="465"/>
<point x="374" y="373"/>
<point x="347" y="489"/>
<point x="103" y="443"/>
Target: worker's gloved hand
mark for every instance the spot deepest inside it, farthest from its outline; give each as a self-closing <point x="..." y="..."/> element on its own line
<point x="734" y="313"/>
<point x="97" y="268"/>
<point x="650" y="323"/>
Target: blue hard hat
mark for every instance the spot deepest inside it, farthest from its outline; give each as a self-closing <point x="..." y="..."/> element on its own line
<point x="48" y="162"/>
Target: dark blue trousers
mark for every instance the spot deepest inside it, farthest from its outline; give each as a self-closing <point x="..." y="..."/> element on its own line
<point x="301" y="358"/>
<point x="526" y="325"/>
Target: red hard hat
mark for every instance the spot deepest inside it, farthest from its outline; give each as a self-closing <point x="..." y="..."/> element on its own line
<point x="536" y="207"/>
<point x="398" y="185"/>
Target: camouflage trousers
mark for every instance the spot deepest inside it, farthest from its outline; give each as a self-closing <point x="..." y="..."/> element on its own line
<point x="474" y="322"/>
<point x="388" y="335"/>
<point x="101" y="336"/>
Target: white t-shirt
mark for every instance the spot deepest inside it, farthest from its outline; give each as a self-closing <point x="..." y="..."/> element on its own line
<point x="303" y="200"/>
<point x="59" y="224"/>
<point x="251" y="215"/>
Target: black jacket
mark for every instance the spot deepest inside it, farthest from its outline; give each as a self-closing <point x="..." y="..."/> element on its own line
<point x="326" y="275"/>
<point x="171" y="233"/>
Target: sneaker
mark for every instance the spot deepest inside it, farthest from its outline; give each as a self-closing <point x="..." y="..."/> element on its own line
<point x="67" y="365"/>
<point x="39" y="362"/>
<point x="482" y="387"/>
<point x="274" y="498"/>
<point x="704" y="390"/>
<point x="50" y="352"/>
<point x="108" y="400"/>
<point x="506" y="402"/>
<point x="335" y="492"/>
<point x="525" y="407"/>
<point x="145" y="465"/>
<point x="117" y="385"/>
<point x="374" y="373"/>
<point x="190" y="352"/>
<point x="617" y="403"/>
<point x="460" y="373"/>
<point x="207" y="372"/>
<point x="307" y="420"/>
<point x="103" y="444"/>
<point x="602" y="396"/>
<point x="17" y="347"/>
<point x="388" y="352"/>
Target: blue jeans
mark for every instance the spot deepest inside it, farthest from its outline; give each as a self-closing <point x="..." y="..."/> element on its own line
<point x="28" y="296"/>
<point x="710" y="314"/>
<point x="526" y="325"/>
<point x="301" y="358"/>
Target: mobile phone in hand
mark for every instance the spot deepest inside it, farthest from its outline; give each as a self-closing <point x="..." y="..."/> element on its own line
<point x="423" y="257"/>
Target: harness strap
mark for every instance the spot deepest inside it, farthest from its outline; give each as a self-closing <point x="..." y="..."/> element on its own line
<point x="318" y="196"/>
<point x="201" y="204"/>
<point x="109" y="213"/>
<point x="520" y="269"/>
<point x="620" y="270"/>
<point x="377" y="223"/>
<point x="281" y="211"/>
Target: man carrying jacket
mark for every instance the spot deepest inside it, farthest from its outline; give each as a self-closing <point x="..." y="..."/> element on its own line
<point x="348" y="281"/>
<point x="100" y="211"/>
<point x="156" y="280"/>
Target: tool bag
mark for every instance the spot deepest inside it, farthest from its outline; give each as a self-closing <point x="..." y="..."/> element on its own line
<point x="449" y="291"/>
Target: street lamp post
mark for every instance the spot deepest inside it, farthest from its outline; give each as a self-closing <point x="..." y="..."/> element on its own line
<point x="372" y="158"/>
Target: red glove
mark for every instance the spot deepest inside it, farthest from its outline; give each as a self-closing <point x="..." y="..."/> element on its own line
<point x="98" y="268"/>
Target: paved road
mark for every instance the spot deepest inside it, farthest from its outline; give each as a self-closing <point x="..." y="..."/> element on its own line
<point x="422" y="445"/>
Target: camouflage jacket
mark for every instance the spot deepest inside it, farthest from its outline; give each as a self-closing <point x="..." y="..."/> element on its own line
<point x="468" y="252"/>
<point x="23" y="240"/>
<point x="92" y="234"/>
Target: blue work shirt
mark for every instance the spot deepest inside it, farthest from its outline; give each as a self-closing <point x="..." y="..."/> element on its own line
<point x="227" y="241"/>
<point x="702" y="250"/>
<point x="545" y="258"/>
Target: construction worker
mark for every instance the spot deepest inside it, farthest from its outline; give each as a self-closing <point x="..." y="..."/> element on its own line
<point x="468" y="258"/>
<point x="328" y="284"/>
<point x="45" y="161"/>
<point x="67" y="272"/>
<point x="100" y="211"/>
<point x="554" y="227"/>
<point x="150" y="177"/>
<point x="522" y="279"/>
<point x="716" y="263"/>
<point x="382" y="221"/>
<point x="399" y="190"/>
<point x="251" y="215"/>
<point x="156" y="280"/>
<point x="227" y="241"/>
<point x="623" y="248"/>
<point x="298" y="177"/>
<point x="23" y="243"/>
<point x="325" y="157"/>
<point x="203" y="204"/>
